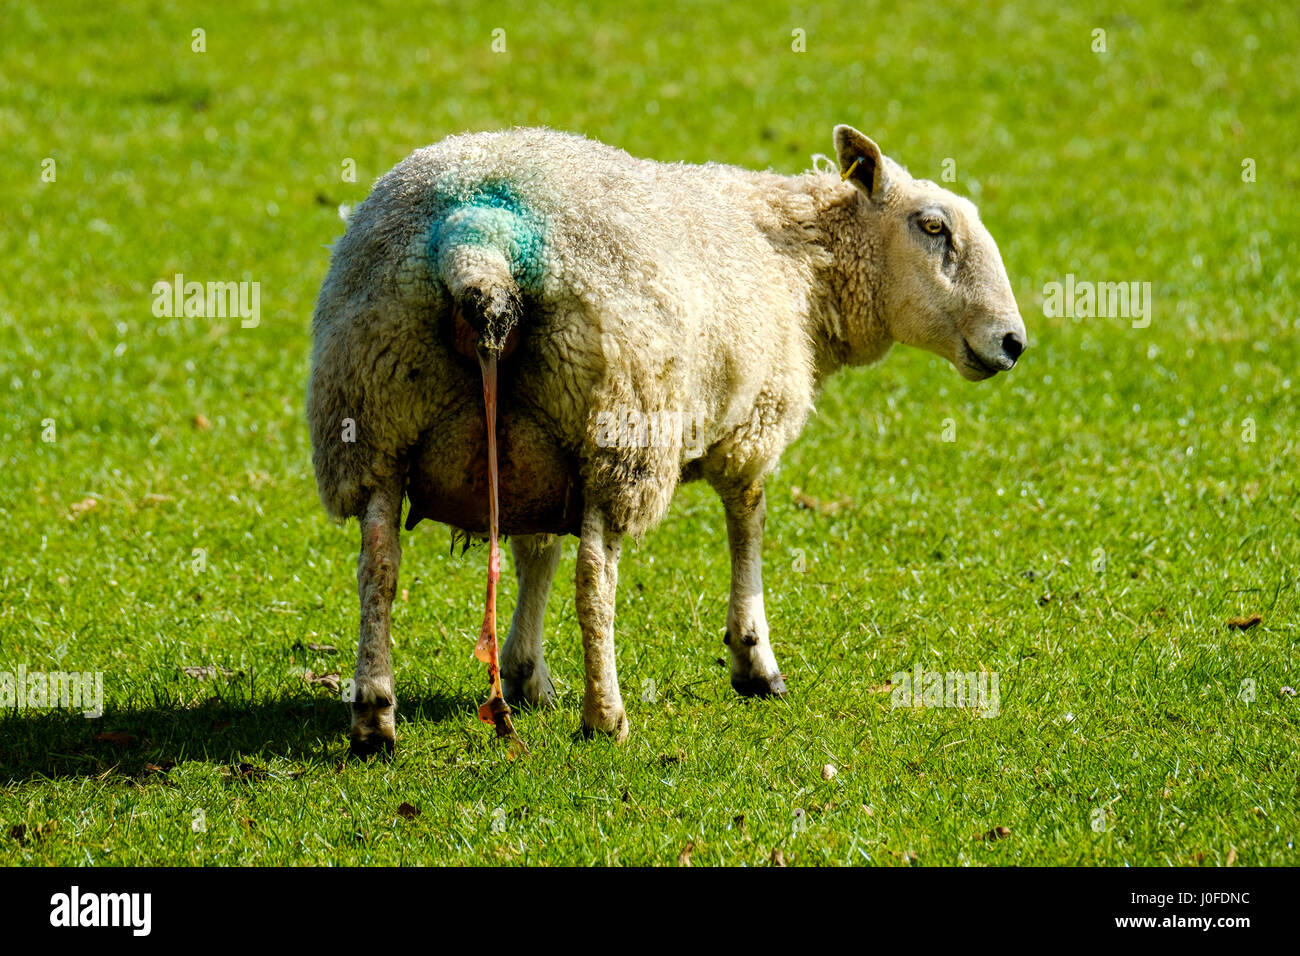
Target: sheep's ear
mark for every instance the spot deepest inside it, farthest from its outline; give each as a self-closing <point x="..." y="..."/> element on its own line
<point x="861" y="162"/>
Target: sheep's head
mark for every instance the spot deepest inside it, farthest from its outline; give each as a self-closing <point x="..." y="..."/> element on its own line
<point x="943" y="287"/>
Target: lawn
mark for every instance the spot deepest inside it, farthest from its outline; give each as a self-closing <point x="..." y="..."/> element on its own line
<point x="1083" y="527"/>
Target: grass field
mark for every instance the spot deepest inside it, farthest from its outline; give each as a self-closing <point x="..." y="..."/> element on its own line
<point x="1096" y="518"/>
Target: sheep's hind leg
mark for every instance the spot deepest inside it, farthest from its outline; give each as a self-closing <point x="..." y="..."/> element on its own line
<point x="597" y="582"/>
<point x="374" y="706"/>
<point x="754" y="672"/>
<point x="524" y="676"/>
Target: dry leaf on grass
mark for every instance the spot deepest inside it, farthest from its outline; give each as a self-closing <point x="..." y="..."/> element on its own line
<point x="408" y="812"/>
<point x="201" y="422"/>
<point x="118" y="738"/>
<point x="245" y="771"/>
<point x="209" y="671"/>
<point x="1245" y="623"/>
<point x="809" y="503"/>
<point x="997" y="833"/>
<point x="329" y="681"/>
<point x="778" y="858"/>
<point x="20" y="834"/>
<point x="684" y="858"/>
<point x="1232" y="855"/>
<point x="79" y="508"/>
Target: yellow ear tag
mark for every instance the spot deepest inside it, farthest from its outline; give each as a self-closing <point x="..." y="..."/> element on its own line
<point x="849" y="172"/>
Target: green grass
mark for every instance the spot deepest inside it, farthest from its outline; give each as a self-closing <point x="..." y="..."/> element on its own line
<point x="1121" y="687"/>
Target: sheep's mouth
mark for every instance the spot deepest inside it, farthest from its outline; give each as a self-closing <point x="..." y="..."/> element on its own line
<point x="972" y="361"/>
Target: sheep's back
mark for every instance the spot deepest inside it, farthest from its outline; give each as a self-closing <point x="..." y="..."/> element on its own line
<point x="651" y="287"/>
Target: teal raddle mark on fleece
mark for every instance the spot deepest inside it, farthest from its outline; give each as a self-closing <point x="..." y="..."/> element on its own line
<point x="492" y="213"/>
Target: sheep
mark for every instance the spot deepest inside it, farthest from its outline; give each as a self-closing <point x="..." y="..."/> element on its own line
<point x="609" y="288"/>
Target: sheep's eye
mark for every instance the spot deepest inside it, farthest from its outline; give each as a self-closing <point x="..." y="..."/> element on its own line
<point x="933" y="226"/>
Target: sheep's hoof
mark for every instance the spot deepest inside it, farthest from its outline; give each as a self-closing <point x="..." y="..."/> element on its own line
<point x="757" y="686"/>
<point x="528" y="686"/>
<point x="374" y="721"/>
<point x="370" y="745"/>
<point x="606" y="724"/>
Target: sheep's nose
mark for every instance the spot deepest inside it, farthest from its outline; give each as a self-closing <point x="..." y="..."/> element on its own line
<point x="1013" y="345"/>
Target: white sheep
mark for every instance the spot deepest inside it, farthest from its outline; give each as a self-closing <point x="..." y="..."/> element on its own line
<point x="613" y="290"/>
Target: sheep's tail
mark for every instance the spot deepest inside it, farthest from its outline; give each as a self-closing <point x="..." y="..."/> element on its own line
<point x="486" y="299"/>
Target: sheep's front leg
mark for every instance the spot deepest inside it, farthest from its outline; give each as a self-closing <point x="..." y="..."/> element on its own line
<point x="524" y="677"/>
<point x="597" y="581"/>
<point x="374" y="706"/>
<point x="753" y="665"/>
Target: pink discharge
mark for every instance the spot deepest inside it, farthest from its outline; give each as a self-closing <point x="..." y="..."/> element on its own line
<point x="495" y="710"/>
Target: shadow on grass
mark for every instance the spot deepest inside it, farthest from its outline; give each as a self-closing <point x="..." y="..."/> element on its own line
<point x="224" y="729"/>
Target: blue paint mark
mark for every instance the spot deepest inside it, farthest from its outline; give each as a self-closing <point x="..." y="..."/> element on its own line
<point x="491" y="213"/>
